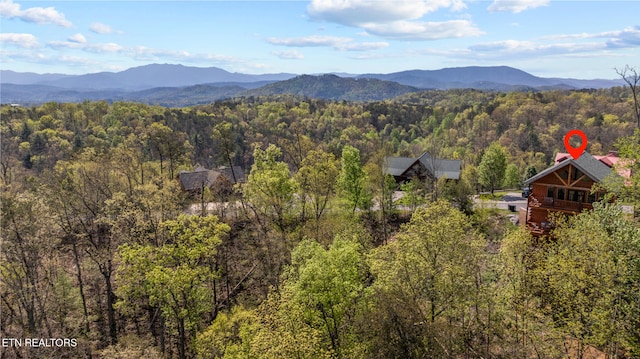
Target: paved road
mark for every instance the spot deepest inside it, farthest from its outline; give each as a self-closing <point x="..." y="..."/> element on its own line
<point x="513" y="198"/>
<point x="510" y="199"/>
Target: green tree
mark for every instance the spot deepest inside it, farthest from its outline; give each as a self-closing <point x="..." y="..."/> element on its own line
<point x="530" y="172"/>
<point x="317" y="180"/>
<point x="424" y="283"/>
<point x="176" y="276"/>
<point x="512" y="176"/>
<point x="589" y="280"/>
<point x="329" y="285"/>
<point x="352" y="179"/>
<point x="283" y="333"/>
<point x="459" y="193"/>
<point x="492" y="166"/>
<point x="159" y="136"/>
<point x="294" y="143"/>
<point x="315" y="314"/>
<point x="470" y="176"/>
<point x="168" y="144"/>
<point x="226" y="138"/>
<point x="270" y="189"/>
<point x="413" y="194"/>
<point x="627" y="189"/>
<point x="524" y="330"/>
<point x="230" y="335"/>
<point x="78" y="192"/>
<point x="28" y="243"/>
<point x="381" y="187"/>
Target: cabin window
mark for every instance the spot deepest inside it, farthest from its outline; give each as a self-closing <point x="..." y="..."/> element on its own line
<point x="560" y="194"/>
<point x="577" y="174"/>
<point x="564" y="174"/>
<point x="575" y="196"/>
<point x="550" y="191"/>
<point x="592" y="197"/>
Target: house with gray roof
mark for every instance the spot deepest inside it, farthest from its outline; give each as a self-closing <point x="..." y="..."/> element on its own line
<point x="424" y="167"/>
<point x="196" y="181"/>
<point x="234" y="174"/>
<point x="565" y="187"/>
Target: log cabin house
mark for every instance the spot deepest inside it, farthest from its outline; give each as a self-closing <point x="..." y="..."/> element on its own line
<point x="424" y="167"/>
<point x="565" y="187"/>
<point x="195" y="182"/>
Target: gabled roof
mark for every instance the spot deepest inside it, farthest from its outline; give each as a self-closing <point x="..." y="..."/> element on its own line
<point x="438" y="168"/>
<point x="610" y="159"/>
<point x="586" y="163"/>
<point x="229" y="172"/>
<point x="396" y="166"/>
<point x="194" y="181"/>
<point x="441" y="168"/>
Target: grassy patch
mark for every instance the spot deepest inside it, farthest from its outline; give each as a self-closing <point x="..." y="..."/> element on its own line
<point x="496" y="196"/>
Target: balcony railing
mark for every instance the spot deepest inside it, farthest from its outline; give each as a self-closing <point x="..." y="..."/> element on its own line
<point x="553" y="203"/>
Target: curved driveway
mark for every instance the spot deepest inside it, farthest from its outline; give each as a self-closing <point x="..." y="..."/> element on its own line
<point x="511" y="198"/>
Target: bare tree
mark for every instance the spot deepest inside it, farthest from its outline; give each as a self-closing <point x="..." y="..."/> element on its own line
<point x="631" y="76"/>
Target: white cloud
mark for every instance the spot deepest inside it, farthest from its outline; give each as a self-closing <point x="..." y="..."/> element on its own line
<point x="78" y="38"/>
<point x="359" y="12"/>
<point x="561" y="37"/>
<point x="338" y="43"/>
<point x="139" y="53"/>
<point x="574" y="45"/>
<point x="21" y="40"/>
<point x="507" y="45"/>
<point x="629" y="37"/>
<point x="394" y="19"/>
<point x="258" y="66"/>
<point x="310" y="41"/>
<point x="46" y="59"/>
<point x="418" y="30"/>
<point x="93" y="48"/>
<point x="75" y="60"/>
<point x="364" y="46"/>
<point x="516" y="6"/>
<point x="76" y="52"/>
<point x="100" y="28"/>
<point x="9" y="10"/>
<point x="37" y="15"/>
<point x="108" y="47"/>
<point x="289" y="54"/>
<point x="143" y="53"/>
<point x="65" y="44"/>
<point x="513" y="48"/>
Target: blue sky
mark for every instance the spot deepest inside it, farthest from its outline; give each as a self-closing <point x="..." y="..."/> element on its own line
<point x="575" y="39"/>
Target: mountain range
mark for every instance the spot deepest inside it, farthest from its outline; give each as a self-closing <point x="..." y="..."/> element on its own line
<point x="178" y="85"/>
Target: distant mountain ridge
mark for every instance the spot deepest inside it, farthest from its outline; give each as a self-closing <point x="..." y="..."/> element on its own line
<point x="27" y="78"/>
<point x="493" y="77"/>
<point x="462" y="76"/>
<point x="333" y="87"/>
<point x="178" y="85"/>
<point x="150" y="76"/>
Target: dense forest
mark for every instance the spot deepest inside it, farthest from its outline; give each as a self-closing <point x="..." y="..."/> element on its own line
<point x="311" y="257"/>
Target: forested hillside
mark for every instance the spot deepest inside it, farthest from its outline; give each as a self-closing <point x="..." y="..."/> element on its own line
<point x="332" y="87"/>
<point x="311" y="257"/>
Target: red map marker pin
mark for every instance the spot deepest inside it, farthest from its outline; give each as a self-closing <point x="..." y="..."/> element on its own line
<point x="575" y="152"/>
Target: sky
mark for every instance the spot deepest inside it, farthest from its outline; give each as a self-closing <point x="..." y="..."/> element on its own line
<point x="568" y="39"/>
